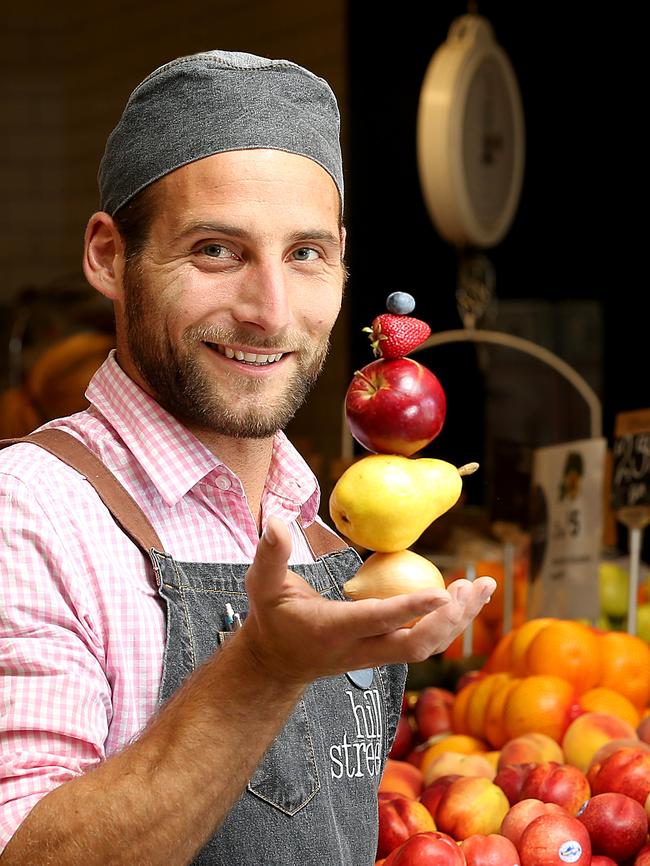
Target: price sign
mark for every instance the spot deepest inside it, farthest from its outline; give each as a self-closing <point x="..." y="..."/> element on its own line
<point x="631" y="490"/>
<point x="566" y="529"/>
<point x="631" y="461"/>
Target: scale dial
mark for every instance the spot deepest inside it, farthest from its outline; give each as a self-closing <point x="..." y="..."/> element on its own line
<point x="470" y="136"/>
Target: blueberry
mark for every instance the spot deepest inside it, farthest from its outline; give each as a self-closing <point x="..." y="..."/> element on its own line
<point x="400" y="303"/>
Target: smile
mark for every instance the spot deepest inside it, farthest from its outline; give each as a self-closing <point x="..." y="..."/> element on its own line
<point x="246" y="357"/>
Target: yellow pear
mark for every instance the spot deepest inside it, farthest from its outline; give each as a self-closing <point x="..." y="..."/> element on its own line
<point x="384" y="502"/>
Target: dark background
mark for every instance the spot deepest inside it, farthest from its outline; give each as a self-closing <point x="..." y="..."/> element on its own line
<point x="577" y="234"/>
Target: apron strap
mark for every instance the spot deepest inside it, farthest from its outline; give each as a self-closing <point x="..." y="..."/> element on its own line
<point x="125" y="510"/>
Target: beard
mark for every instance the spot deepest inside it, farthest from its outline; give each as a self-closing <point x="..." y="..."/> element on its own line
<point x="190" y="391"/>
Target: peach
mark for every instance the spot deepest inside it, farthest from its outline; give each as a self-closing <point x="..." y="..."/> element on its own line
<point x="587" y="733"/>
<point x="530" y="748"/>
<point x="404" y="739"/>
<point x="400" y="818"/>
<point x="617" y="825"/>
<point x="643" y="857"/>
<point x="519" y="816"/>
<point x="431" y="795"/>
<point x="456" y="762"/>
<point x="614" y="745"/>
<point x="511" y="779"/>
<point x="400" y="777"/>
<point x="471" y="805"/>
<point x="490" y="850"/>
<point x="433" y="711"/>
<point x="557" y="783"/>
<point x="430" y="847"/>
<point x="554" y="840"/>
<point x="643" y="729"/>
<point x="627" y="771"/>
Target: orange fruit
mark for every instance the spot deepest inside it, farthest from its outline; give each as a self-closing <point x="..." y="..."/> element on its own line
<point x="566" y="649"/>
<point x="541" y="703"/>
<point x="493" y="725"/>
<point x="483" y="641"/>
<point x="459" y="708"/>
<point x="492" y="613"/>
<point x="626" y="666"/>
<point x="521" y="639"/>
<point x="478" y="702"/>
<point x="604" y="700"/>
<point x="499" y="658"/>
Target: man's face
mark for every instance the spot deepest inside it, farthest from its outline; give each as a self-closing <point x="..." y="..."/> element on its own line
<point x="228" y="310"/>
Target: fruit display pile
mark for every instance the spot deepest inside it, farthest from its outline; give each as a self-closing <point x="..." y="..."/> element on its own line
<point x="541" y="757"/>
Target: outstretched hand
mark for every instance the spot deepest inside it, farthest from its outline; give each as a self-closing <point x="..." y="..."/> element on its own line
<point x="297" y="635"/>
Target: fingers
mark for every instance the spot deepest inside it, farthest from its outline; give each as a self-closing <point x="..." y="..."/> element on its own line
<point x="268" y="570"/>
<point x="372" y="616"/>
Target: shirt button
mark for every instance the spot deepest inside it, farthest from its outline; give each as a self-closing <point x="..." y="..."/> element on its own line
<point x="223" y="483"/>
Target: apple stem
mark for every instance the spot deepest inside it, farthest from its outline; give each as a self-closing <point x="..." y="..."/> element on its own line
<point x="365" y="379"/>
<point x="468" y="469"/>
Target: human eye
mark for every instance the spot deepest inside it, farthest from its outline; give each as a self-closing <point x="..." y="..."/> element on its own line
<point x="306" y="254"/>
<point x="216" y="251"/>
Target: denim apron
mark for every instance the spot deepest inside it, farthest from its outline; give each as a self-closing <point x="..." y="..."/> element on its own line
<point x="313" y="798"/>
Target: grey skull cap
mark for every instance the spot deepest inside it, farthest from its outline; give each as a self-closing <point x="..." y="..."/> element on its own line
<point x="212" y="102"/>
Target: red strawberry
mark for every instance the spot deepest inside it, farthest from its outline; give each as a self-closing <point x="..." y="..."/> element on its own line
<point x="393" y="336"/>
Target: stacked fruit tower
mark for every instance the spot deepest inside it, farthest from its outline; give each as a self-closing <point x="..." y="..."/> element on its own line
<point x="539" y="758"/>
<point x="383" y="502"/>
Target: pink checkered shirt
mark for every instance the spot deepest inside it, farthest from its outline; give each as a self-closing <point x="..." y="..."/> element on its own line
<point x="82" y="628"/>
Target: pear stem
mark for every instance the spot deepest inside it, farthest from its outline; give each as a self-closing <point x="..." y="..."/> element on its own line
<point x="468" y="469"/>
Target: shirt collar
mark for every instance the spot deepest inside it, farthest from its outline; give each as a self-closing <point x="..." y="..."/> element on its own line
<point x="173" y="458"/>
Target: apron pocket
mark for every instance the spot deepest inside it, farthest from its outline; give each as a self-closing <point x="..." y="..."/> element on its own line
<point x="287" y="776"/>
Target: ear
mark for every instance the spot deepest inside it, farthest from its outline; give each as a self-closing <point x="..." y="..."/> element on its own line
<point x="344" y="235"/>
<point x="103" y="260"/>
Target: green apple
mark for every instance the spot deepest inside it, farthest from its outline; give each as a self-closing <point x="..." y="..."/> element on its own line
<point x="613" y="587"/>
<point x="643" y="621"/>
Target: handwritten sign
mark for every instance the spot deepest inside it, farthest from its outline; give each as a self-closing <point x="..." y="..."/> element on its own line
<point x="631" y="460"/>
<point x="566" y="529"/>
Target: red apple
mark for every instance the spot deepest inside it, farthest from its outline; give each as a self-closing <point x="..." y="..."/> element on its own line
<point x="472" y="804"/>
<point x="431" y="795"/>
<point x="627" y="771"/>
<point x="617" y="825"/>
<point x="427" y="849"/>
<point x="433" y="712"/>
<point x="511" y="779"/>
<point x="404" y="739"/>
<point x="555" y="840"/>
<point x="491" y="850"/>
<point x="557" y="783"/>
<point x="395" y="406"/>
<point x="523" y="813"/>
<point x="400" y="818"/>
<point x="643" y="857"/>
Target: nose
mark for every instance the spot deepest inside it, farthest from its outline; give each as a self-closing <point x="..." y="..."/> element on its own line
<point x="263" y="301"/>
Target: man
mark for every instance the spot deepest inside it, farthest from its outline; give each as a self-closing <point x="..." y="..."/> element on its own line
<point x="141" y="725"/>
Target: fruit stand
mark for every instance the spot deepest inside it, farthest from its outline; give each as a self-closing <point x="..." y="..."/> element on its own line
<point x="527" y="741"/>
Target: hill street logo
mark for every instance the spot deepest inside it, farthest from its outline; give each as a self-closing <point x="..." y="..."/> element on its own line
<point x="360" y="755"/>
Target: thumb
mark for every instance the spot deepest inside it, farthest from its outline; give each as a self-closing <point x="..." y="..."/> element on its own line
<point x="268" y="570"/>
